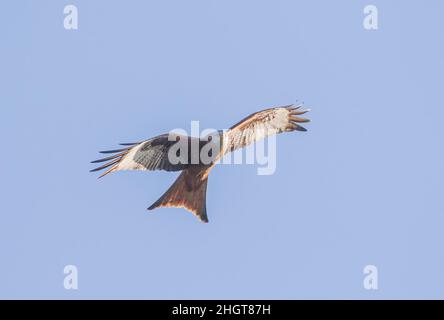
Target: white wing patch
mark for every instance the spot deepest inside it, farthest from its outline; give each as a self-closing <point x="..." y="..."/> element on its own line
<point x="127" y="162"/>
<point x="262" y="124"/>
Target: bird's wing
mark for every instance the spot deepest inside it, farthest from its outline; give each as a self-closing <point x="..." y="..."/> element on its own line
<point x="262" y="124"/>
<point x="150" y="154"/>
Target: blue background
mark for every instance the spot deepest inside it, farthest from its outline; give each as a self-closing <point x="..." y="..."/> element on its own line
<point x="363" y="186"/>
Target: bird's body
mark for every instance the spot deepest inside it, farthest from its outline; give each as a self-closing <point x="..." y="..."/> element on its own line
<point x="195" y="157"/>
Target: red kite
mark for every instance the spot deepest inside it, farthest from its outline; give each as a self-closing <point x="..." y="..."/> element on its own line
<point x="189" y="189"/>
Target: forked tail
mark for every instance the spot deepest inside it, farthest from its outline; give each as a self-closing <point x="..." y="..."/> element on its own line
<point x="189" y="192"/>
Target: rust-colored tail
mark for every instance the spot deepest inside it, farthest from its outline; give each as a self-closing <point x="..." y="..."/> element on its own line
<point x="189" y="192"/>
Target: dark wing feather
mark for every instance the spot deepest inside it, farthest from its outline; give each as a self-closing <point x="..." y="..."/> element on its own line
<point x="151" y="154"/>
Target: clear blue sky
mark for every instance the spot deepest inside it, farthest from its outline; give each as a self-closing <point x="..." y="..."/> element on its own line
<point x="363" y="186"/>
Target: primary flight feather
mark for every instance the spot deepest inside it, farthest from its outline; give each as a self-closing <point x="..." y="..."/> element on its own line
<point x="189" y="189"/>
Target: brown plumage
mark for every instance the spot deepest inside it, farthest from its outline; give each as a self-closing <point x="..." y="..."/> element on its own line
<point x="189" y="189"/>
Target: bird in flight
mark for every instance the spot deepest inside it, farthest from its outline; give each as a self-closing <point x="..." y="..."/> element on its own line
<point x="165" y="152"/>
